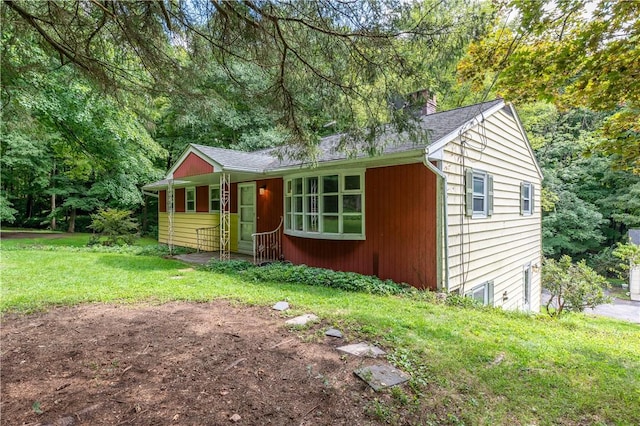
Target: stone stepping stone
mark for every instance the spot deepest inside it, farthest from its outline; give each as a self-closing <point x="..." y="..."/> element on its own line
<point x="382" y="376"/>
<point x="332" y="332"/>
<point x="362" y="349"/>
<point x="281" y="306"/>
<point x="302" y="319"/>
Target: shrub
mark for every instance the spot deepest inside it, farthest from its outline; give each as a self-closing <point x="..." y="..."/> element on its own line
<point x="629" y="256"/>
<point x="228" y="266"/>
<point x="114" y="227"/>
<point x="573" y="286"/>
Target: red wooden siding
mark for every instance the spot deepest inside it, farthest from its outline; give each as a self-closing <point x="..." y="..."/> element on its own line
<point x="162" y="201"/>
<point x="400" y="226"/>
<point x="270" y="204"/>
<point x="191" y="166"/>
<point x="179" y="199"/>
<point x="202" y="199"/>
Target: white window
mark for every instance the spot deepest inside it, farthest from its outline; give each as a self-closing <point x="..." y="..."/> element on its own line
<point x="526" y="198"/>
<point x="325" y="206"/>
<point x="482" y="293"/>
<point x="479" y="193"/>
<point x="214" y="198"/>
<point x="190" y="199"/>
<point x="526" y="286"/>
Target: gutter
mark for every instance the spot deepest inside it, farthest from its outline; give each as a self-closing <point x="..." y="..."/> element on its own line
<point x="150" y="194"/>
<point x="445" y="218"/>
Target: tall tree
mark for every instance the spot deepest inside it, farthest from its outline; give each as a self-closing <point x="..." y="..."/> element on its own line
<point x="574" y="53"/>
<point x="346" y="59"/>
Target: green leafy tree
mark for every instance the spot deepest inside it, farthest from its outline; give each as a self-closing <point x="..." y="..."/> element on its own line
<point x="575" y="54"/>
<point x="114" y="227"/>
<point x="573" y="286"/>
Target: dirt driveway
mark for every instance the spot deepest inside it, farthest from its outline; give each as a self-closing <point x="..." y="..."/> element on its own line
<point x="177" y="363"/>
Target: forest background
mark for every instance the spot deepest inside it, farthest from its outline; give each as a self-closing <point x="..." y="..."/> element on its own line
<point x="100" y="97"/>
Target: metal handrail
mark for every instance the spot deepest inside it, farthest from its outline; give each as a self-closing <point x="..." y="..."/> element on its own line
<point x="267" y="246"/>
<point x="208" y="239"/>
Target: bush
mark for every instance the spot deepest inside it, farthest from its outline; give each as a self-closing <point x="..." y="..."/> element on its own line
<point x="228" y="266"/>
<point x="573" y="286"/>
<point x="114" y="227"/>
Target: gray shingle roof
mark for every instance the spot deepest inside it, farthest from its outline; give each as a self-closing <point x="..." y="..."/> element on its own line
<point x="434" y="127"/>
<point x="237" y="160"/>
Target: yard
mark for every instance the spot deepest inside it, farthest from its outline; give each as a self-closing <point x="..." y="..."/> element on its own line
<point x="91" y="336"/>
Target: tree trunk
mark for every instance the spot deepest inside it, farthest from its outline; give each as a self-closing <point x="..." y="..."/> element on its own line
<point x="72" y="221"/>
<point x="53" y="208"/>
<point x="29" y="206"/>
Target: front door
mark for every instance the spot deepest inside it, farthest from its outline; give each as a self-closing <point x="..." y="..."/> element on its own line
<point x="247" y="216"/>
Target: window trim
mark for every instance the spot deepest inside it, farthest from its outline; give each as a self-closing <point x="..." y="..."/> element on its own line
<point x="471" y="195"/>
<point x="215" y="186"/>
<point x="186" y="199"/>
<point x="524" y="211"/>
<point x="305" y="195"/>
<point x="488" y="292"/>
<point x="527" y="272"/>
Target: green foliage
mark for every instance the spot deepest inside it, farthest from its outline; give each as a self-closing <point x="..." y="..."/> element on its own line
<point x="228" y="266"/>
<point x="572" y="53"/>
<point x="629" y="257"/>
<point x="573" y="286"/>
<point x="114" y="227"/>
<point x="7" y="212"/>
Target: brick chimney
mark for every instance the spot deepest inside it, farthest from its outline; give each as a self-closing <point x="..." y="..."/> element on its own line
<point x="423" y="101"/>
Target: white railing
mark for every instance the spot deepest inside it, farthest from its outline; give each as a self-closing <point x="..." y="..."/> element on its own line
<point x="208" y="239"/>
<point x="267" y="246"/>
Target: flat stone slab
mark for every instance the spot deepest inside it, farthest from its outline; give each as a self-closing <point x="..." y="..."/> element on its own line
<point x="362" y="349"/>
<point x="302" y="319"/>
<point x="281" y="306"/>
<point x="332" y="332"/>
<point x="382" y="376"/>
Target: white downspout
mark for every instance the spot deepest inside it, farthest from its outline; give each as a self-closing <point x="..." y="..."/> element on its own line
<point x="445" y="218"/>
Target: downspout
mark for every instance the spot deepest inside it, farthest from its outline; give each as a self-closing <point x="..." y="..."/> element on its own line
<point x="445" y="218"/>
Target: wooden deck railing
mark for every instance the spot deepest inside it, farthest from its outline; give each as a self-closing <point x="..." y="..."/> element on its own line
<point x="267" y="246"/>
<point x="208" y="239"/>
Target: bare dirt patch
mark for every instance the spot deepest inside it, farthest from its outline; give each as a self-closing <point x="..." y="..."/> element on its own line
<point x="177" y="363"/>
<point x="13" y="235"/>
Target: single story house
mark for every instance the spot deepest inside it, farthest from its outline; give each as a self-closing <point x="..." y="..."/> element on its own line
<point x="457" y="210"/>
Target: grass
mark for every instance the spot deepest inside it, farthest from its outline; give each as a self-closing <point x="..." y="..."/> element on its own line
<point x="576" y="370"/>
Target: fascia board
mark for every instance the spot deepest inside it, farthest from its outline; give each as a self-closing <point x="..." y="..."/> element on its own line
<point x="526" y="139"/>
<point x="439" y="144"/>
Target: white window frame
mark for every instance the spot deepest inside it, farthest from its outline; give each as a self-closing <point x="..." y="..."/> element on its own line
<point x="524" y="210"/>
<point x="211" y="199"/>
<point x="487" y="293"/>
<point x="527" y="281"/>
<point x="308" y="198"/>
<point x="191" y="189"/>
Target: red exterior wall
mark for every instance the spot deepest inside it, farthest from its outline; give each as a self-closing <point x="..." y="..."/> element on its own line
<point x="179" y="199"/>
<point x="400" y="224"/>
<point x="202" y="199"/>
<point x="270" y="204"/>
<point x="162" y="201"/>
<point x="191" y="166"/>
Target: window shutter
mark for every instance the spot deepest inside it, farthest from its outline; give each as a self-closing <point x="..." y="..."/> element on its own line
<point x="489" y="195"/>
<point x="490" y="293"/>
<point x="521" y="198"/>
<point x="533" y="196"/>
<point x="469" y="192"/>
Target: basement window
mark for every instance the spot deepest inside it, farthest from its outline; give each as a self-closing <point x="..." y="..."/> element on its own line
<point x="483" y="293"/>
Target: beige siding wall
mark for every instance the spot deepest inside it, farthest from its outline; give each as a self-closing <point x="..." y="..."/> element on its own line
<point x="496" y="248"/>
<point x="185" y="225"/>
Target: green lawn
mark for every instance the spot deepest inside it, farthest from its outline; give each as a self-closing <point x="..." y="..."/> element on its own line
<point x="576" y="370"/>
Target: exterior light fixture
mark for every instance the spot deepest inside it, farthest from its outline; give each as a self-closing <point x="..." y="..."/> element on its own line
<point x="263" y="189"/>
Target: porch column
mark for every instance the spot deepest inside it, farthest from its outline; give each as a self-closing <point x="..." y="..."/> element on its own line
<point x="225" y="215"/>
